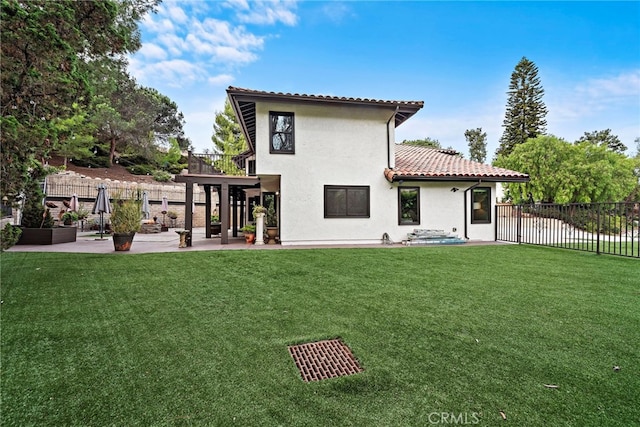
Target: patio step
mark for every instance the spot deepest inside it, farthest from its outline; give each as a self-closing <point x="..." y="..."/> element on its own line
<point x="433" y="237"/>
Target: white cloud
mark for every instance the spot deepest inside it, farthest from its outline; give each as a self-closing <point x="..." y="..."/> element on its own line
<point x="593" y="96"/>
<point x="174" y="72"/>
<point x="177" y="14"/>
<point x="174" y="44"/>
<point x="265" y="12"/>
<point x="337" y="12"/>
<point x="220" y="80"/>
<point x="156" y="24"/>
<point x="152" y="51"/>
<point x="623" y="85"/>
<point x="221" y="33"/>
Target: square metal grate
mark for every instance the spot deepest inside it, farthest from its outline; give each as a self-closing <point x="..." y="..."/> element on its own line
<point x="324" y="359"/>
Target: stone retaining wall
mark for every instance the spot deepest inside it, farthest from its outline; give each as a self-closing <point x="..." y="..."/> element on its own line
<point x="63" y="185"/>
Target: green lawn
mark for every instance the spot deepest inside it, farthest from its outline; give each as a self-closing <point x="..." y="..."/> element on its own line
<point x="200" y="338"/>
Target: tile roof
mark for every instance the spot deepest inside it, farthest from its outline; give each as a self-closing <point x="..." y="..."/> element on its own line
<point x="243" y="102"/>
<point x="426" y="163"/>
<point x="325" y="98"/>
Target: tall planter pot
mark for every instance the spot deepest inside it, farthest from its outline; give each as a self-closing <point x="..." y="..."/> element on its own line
<point x="123" y="241"/>
<point x="47" y="236"/>
<point x="272" y="233"/>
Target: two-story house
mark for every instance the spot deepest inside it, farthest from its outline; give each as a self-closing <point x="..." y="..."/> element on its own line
<point x="337" y="176"/>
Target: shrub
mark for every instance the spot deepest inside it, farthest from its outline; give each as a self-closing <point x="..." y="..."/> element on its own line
<point x="126" y="216"/>
<point x="141" y="169"/>
<point x="9" y="236"/>
<point x="161" y="176"/>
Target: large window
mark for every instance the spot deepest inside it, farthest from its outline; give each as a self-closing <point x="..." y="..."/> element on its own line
<point x="281" y="126"/>
<point x="408" y="205"/>
<point x="481" y="205"/>
<point x="346" y="201"/>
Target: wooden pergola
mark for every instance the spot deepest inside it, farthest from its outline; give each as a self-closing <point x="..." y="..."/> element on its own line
<point x="228" y="187"/>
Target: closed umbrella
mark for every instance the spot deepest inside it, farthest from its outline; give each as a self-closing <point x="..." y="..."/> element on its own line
<point x="146" y="210"/>
<point x="165" y="209"/>
<point x="74" y="205"/>
<point x="101" y="206"/>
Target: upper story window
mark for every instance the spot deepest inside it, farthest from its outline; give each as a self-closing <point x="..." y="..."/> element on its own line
<point x="481" y="205"/>
<point x="346" y="201"/>
<point x="281" y="130"/>
<point x="408" y="205"/>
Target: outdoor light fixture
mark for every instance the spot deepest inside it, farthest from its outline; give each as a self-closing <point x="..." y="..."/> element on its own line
<point x="454" y="189"/>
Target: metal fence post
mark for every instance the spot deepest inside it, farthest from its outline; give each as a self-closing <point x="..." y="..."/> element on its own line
<point x="519" y="222"/>
<point x="598" y="230"/>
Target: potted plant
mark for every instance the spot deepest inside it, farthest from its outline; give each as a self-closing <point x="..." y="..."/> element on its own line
<point x="125" y="222"/>
<point x="249" y="231"/>
<point x="271" y="224"/>
<point x="83" y="214"/>
<point x="258" y="210"/>
<point x="173" y="216"/>
<point x="37" y="223"/>
<point x="68" y="218"/>
<point x="216" y="225"/>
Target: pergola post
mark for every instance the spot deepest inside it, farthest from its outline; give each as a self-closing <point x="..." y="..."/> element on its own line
<point x="207" y="211"/>
<point x="224" y="213"/>
<point x="188" y="213"/>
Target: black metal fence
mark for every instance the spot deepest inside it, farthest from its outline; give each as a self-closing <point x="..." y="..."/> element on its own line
<point x="603" y="228"/>
<point x="85" y="192"/>
<point x="215" y="164"/>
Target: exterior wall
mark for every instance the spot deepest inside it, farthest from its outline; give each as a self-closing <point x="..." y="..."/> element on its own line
<point x="443" y="209"/>
<point x="338" y="145"/>
<point x="334" y="145"/>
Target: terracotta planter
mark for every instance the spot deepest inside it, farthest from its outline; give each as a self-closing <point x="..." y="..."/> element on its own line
<point x="123" y="241"/>
<point x="272" y="233"/>
<point x="47" y="236"/>
<point x="250" y="237"/>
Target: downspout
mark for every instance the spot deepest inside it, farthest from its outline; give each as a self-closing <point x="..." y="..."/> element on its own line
<point x="465" y="207"/>
<point x="389" y="138"/>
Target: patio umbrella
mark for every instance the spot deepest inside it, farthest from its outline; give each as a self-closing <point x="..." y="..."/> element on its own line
<point x="74" y="205"/>
<point x="146" y="210"/>
<point x="165" y="209"/>
<point x="101" y="206"/>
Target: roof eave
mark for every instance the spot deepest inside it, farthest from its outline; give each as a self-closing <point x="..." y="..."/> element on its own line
<point x="236" y="110"/>
<point x="451" y="178"/>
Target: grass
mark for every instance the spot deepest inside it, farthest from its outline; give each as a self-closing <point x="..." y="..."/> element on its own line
<point x="200" y="338"/>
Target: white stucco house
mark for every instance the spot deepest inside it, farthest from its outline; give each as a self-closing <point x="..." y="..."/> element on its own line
<point x="337" y="176"/>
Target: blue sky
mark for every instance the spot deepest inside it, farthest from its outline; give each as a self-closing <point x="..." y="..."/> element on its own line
<point x="457" y="57"/>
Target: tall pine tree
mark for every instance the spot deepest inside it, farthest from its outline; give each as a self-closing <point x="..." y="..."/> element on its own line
<point x="227" y="135"/>
<point x="525" y="114"/>
<point x="477" y="141"/>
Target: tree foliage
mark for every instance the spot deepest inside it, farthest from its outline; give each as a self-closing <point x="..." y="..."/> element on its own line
<point x="130" y="117"/>
<point x="45" y="48"/>
<point x="227" y="135"/>
<point x="525" y="113"/>
<point x="477" y="141"/>
<point x="74" y="135"/>
<point x="604" y="138"/>
<point x="228" y="138"/>
<point x="561" y="172"/>
<point x="424" y="142"/>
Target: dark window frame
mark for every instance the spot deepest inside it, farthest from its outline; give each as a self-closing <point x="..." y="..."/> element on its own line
<point x="272" y="132"/>
<point x="482" y="215"/>
<point x="401" y="219"/>
<point x="349" y="211"/>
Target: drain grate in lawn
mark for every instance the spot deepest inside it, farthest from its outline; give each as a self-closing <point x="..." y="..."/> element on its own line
<point x="324" y="359"/>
